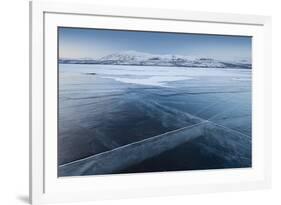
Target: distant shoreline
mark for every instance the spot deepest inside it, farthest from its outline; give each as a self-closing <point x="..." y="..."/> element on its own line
<point x="184" y="66"/>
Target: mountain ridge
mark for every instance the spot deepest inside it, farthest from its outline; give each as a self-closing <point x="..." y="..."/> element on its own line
<point x="147" y="59"/>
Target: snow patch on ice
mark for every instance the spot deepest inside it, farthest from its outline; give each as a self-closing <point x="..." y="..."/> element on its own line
<point x="153" y="80"/>
<point x="242" y="79"/>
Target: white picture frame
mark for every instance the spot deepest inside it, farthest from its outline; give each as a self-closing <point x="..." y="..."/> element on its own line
<point x="46" y="187"/>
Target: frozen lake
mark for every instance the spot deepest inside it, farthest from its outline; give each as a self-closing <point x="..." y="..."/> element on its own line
<point x="102" y="107"/>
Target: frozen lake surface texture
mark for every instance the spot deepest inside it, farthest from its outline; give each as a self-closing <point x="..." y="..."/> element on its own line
<point x="130" y="119"/>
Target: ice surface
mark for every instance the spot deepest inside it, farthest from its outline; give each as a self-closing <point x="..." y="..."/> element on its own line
<point x="103" y="107"/>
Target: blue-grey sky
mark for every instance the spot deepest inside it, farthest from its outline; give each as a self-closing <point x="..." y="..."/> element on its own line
<point x="96" y="43"/>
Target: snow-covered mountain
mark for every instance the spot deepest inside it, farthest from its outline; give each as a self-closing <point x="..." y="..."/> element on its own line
<point x="146" y="59"/>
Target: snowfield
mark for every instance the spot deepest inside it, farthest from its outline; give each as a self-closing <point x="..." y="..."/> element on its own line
<point x="158" y="76"/>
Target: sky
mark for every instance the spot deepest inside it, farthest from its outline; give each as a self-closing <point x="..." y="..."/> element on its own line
<point x="96" y="43"/>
